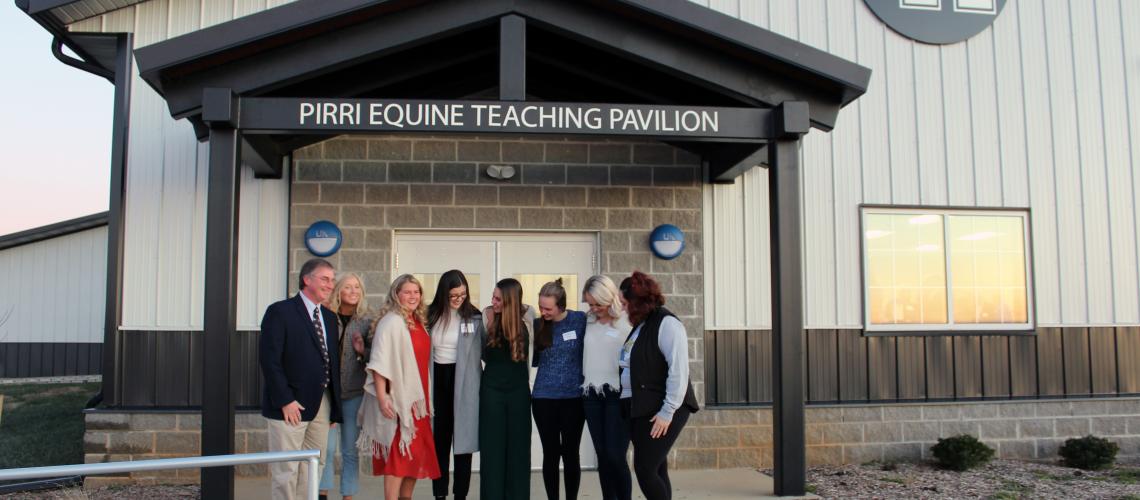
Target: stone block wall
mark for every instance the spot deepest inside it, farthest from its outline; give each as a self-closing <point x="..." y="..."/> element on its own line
<point x="116" y="436"/>
<point x="372" y="186"/>
<point x="1027" y="430"/>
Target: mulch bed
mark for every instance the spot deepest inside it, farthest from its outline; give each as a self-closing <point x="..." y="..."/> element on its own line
<point x="1000" y="479"/>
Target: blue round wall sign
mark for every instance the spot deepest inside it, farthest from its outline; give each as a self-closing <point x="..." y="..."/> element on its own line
<point x="323" y="238"/>
<point x="667" y="241"/>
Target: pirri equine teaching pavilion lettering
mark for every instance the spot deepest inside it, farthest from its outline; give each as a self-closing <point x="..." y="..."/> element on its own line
<point x="359" y="115"/>
<point x="401" y="115"/>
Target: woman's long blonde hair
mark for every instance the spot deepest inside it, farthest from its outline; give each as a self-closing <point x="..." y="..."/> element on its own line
<point x="334" y="301"/>
<point x="392" y="302"/>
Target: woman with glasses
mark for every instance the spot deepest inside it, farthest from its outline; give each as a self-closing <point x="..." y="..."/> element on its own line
<point x="458" y="334"/>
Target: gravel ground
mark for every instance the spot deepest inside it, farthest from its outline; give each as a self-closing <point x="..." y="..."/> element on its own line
<point x="1000" y="479"/>
<point x="160" y="492"/>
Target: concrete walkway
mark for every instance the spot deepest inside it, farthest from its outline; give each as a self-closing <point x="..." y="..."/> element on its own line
<point x="721" y="484"/>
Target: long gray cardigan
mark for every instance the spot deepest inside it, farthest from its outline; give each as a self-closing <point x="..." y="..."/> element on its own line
<point x="468" y="373"/>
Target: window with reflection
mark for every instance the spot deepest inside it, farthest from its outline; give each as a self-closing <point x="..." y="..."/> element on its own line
<point x="946" y="270"/>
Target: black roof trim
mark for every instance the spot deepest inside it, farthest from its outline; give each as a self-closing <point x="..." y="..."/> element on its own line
<point x="676" y="35"/>
<point x="99" y="50"/>
<point x="53" y="230"/>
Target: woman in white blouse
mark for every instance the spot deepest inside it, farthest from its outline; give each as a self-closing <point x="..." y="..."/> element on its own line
<point x="606" y="330"/>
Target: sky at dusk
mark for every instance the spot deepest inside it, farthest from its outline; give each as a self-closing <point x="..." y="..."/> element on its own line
<point x="55" y="131"/>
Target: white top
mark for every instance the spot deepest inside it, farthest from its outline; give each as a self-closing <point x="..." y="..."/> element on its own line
<point x="674" y="345"/>
<point x="445" y="341"/>
<point x="600" y="353"/>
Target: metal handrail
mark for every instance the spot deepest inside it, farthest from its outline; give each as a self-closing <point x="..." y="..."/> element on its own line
<point x="311" y="456"/>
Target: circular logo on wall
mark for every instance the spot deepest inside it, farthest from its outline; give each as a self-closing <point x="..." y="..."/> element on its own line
<point x="937" y="21"/>
<point x="667" y="241"/>
<point x="323" y="238"/>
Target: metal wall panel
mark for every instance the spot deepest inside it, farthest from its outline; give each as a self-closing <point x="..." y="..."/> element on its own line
<point x="990" y="122"/>
<point x="62" y="285"/>
<point x="995" y="366"/>
<point x="1050" y="362"/>
<point x="1102" y="360"/>
<point x="940" y="367"/>
<point x="911" y="368"/>
<point x="1118" y="163"/>
<point x="731" y="386"/>
<point x="138" y="365"/>
<point x="1010" y="108"/>
<point x="1066" y="170"/>
<point x="882" y="371"/>
<point x="984" y="120"/>
<point x="1090" y="145"/>
<point x="1127" y="352"/>
<point x="1075" y="342"/>
<point x="822" y="365"/>
<point x="49" y="359"/>
<point x="166" y="199"/>
<point x="1023" y="366"/>
<point x="172" y="373"/>
<point x="852" y="365"/>
<point x="967" y="367"/>
<point x="1039" y="142"/>
<point x="759" y="363"/>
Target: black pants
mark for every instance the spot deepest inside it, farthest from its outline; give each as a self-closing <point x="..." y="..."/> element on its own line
<point x="559" y="423"/>
<point x="650" y="456"/>
<point x="443" y="402"/>
<point x="610" y="433"/>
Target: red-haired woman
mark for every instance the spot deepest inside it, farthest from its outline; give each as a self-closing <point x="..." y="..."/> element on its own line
<point x="656" y="391"/>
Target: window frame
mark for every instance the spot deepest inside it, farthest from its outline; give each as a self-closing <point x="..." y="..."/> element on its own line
<point x="949" y="328"/>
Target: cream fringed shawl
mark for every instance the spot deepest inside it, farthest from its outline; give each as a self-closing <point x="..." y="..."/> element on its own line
<point x="392" y="357"/>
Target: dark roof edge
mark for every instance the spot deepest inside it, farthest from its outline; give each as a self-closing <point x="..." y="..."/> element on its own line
<point x="736" y="31"/>
<point x="53" y="230"/>
<point x="60" y="32"/>
<point x="37" y="6"/>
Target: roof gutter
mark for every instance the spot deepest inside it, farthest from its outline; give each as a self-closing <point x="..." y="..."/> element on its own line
<point x="61" y="36"/>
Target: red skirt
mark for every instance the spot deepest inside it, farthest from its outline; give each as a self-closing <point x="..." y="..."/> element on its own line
<point x="421" y="464"/>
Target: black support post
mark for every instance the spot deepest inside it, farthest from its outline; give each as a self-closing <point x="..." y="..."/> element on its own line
<point x="512" y="58"/>
<point x="219" y="110"/>
<point x="115" y="217"/>
<point x="789" y="451"/>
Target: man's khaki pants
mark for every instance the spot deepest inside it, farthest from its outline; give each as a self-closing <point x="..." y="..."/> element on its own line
<point x="290" y="480"/>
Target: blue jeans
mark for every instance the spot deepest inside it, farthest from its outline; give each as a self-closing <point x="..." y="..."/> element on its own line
<point x="610" y="433"/>
<point x="350" y="459"/>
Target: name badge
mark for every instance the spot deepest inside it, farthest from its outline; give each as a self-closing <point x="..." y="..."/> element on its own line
<point x="466" y="327"/>
<point x="612" y="333"/>
<point x="568" y="336"/>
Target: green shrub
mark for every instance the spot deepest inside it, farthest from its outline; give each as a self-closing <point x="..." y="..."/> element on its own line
<point x="961" y="452"/>
<point x="1089" y="453"/>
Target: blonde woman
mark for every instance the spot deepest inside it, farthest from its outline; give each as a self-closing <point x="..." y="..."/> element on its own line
<point x="351" y="308"/>
<point x="397" y="416"/>
<point x="606" y="330"/>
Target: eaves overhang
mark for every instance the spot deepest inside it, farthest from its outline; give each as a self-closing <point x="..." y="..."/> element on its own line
<point x="301" y="45"/>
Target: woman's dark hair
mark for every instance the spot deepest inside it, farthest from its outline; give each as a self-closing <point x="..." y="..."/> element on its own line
<point x="507" y="326"/>
<point x="544" y="334"/>
<point x="441" y="303"/>
<point x="643" y="295"/>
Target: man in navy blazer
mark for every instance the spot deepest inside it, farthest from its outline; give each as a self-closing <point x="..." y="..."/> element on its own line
<point x="298" y="347"/>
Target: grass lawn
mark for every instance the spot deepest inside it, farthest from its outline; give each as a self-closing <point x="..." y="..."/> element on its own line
<point x="42" y="424"/>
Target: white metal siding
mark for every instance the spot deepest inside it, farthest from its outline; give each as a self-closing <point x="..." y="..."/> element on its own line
<point x="62" y="282"/>
<point x="1039" y="111"/>
<point x="164" y="251"/>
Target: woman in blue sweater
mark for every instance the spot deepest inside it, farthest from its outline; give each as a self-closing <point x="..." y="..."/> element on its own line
<point x="557" y="396"/>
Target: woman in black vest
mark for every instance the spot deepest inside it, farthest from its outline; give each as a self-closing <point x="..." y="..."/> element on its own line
<point x="656" y="392"/>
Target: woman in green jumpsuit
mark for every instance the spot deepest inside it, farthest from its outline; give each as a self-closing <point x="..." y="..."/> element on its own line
<point x="504" y="397"/>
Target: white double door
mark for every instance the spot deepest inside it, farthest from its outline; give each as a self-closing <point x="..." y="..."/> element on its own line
<point x="485" y="258"/>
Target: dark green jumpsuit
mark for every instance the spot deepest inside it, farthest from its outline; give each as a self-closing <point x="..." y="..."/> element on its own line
<point x="504" y="426"/>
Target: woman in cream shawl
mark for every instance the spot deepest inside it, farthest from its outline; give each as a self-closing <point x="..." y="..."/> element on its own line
<point x="395" y="421"/>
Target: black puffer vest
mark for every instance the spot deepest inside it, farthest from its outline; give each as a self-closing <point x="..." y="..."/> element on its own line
<point x="648" y="370"/>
